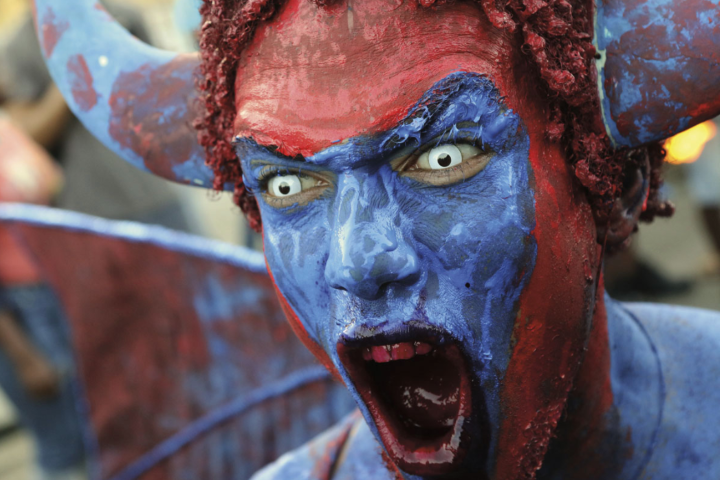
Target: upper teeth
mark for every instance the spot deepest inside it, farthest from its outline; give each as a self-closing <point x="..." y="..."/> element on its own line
<point x="398" y="351"/>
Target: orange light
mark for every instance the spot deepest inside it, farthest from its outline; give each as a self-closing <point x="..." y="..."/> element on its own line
<point x="686" y="147"/>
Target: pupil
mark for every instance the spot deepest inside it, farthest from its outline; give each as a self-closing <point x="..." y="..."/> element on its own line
<point x="284" y="189"/>
<point x="444" y="160"/>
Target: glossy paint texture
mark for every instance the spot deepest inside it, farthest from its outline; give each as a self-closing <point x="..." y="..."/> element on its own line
<point x="660" y="68"/>
<point x="502" y="266"/>
<point x="656" y="422"/>
<point x="353" y="44"/>
<point x="378" y="244"/>
<point x="187" y="365"/>
<point x="661" y="424"/>
<point x="378" y="255"/>
<point x="138" y="100"/>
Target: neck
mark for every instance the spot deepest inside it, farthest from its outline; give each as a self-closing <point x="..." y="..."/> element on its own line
<point x="612" y="411"/>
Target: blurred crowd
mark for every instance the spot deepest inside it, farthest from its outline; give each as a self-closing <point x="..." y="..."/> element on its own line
<point x="674" y="272"/>
<point x="47" y="157"/>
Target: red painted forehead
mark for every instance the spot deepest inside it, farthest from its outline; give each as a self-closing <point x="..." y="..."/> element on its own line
<point x="316" y="75"/>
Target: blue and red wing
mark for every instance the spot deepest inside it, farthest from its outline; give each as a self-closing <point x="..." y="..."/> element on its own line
<point x="186" y="364"/>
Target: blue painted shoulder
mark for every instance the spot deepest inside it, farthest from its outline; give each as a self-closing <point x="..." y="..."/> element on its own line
<point x="362" y="457"/>
<point x="314" y="460"/>
<point x="688" y="345"/>
<point x="348" y="451"/>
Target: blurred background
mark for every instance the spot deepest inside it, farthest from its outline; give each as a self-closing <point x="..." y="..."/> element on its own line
<point x="167" y="24"/>
<point x="672" y="261"/>
<point x="72" y="170"/>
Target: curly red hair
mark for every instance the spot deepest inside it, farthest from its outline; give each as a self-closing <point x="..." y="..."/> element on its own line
<point x="557" y="37"/>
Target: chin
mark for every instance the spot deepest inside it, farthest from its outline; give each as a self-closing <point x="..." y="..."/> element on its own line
<point x="419" y="389"/>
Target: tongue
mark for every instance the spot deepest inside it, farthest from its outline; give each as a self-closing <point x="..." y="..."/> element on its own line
<point x="424" y="392"/>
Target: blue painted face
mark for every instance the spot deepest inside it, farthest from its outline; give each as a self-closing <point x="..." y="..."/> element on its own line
<point x="412" y="243"/>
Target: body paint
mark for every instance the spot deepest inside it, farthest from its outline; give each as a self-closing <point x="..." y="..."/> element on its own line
<point x="552" y="324"/>
<point x="362" y="83"/>
<point x="379" y="253"/>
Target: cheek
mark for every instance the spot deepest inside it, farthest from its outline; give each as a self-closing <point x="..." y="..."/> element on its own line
<point x="553" y="320"/>
<point x="288" y="288"/>
<point x="480" y="251"/>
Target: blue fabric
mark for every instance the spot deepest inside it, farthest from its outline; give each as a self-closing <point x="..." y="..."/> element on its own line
<point x="55" y="423"/>
<point x="170" y="446"/>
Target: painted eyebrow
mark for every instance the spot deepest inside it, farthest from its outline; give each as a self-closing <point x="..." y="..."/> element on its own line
<point x="429" y="107"/>
<point x="432" y="101"/>
<point x="272" y="149"/>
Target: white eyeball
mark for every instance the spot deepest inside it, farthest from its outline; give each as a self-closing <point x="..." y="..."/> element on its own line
<point x="441" y="157"/>
<point x="284" y="185"/>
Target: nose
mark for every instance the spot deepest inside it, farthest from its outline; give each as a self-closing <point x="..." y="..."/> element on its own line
<point x="367" y="251"/>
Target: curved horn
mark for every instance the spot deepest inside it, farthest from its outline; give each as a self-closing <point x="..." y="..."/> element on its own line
<point x="137" y="100"/>
<point x="659" y="71"/>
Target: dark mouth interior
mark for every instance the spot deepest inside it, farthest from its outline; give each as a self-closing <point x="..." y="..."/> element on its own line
<point x="419" y="394"/>
<point x="422" y="393"/>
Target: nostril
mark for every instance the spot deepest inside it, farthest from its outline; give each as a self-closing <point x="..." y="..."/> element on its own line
<point x="382" y="289"/>
<point x="333" y="282"/>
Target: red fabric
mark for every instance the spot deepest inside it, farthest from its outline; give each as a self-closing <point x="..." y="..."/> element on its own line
<point x="16" y="267"/>
<point x="164" y="338"/>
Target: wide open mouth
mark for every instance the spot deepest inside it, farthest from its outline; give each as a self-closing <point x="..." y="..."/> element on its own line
<point x="418" y="393"/>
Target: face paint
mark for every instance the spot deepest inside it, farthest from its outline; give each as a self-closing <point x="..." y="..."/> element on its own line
<point x="478" y="276"/>
<point x="396" y="204"/>
<point x="380" y="259"/>
<point x="318" y="76"/>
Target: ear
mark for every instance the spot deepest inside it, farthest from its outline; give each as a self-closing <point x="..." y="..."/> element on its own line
<point x="623" y="220"/>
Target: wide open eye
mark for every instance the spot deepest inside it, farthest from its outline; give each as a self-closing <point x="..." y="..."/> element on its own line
<point x="284" y="185"/>
<point x="288" y="189"/>
<point x="443" y="156"/>
<point x="445" y="164"/>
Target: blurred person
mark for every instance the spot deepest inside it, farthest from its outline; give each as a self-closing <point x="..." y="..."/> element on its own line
<point x="632" y="278"/>
<point x="95" y="182"/>
<point x="36" y="360"/>
<point x="704" y="183"/>
<point x="629" y="277"/>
